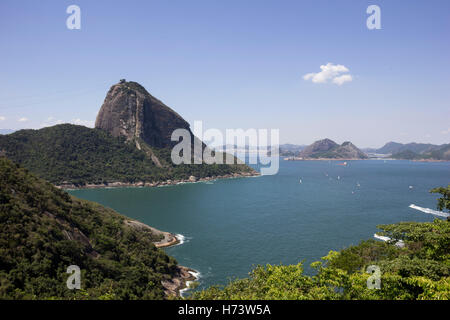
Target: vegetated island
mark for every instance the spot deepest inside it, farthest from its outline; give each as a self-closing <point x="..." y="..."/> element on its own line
<point x="327" y="149"/>
<point x="45" y="230"/>
<point x="129" y="146"/>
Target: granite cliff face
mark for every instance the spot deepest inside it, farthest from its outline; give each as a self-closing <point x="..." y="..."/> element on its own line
<point x="130" y="111"/>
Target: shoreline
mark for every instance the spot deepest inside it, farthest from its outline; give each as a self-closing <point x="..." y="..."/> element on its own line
<point x="355" y="159"/>
<point x="141" y="184"/>
<point x="169" y="239"/>
<point x="178" y="284"/>
<point x="322" y="159"/>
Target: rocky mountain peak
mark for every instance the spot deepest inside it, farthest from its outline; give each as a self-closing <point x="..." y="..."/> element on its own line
<point x="318" y="146"/>
<point x="130" y="111"/>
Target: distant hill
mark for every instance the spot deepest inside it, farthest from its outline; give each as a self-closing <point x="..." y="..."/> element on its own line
<point x="441" y="153"/>
<point x="435" y="153"/>
<point x="329" y="149"/>
<point x="290" y="149"/>
<point x="406" y="155"/>
<point x="395" y="147"/>
<point x="45" y="230"/>
<point x="414" y="151"/>
<point x="389" y="148"/>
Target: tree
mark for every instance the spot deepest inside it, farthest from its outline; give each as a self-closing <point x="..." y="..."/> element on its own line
<point x="444" y="201"/>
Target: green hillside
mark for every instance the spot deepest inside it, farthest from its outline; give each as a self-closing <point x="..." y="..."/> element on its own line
<point x="438" y="153"/>
<point x="44" y="230"/>
<point x="71" y="154"/>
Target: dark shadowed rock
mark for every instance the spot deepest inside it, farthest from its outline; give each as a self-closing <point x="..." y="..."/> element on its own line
<point x="130" y="111"/>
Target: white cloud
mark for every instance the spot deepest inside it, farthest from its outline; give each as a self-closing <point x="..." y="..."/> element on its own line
<point x="87" y="123"/>
<point x="329" y="72"/>
<point x="23" y="119"/>
<point x="2" y="118"/>
<point x="342" y="79"/>
<point x="51" y="121"/>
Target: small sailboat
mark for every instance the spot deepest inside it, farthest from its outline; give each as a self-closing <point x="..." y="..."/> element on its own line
<point x="300" y="181"/>
<point x="339" y="177"/>
<point x="358" y="185"/>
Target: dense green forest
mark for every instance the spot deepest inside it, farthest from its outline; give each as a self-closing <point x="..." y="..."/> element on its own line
<point x="44" y="230"/>
<point x="419" y="270"/>
<point x="71" y="154"/>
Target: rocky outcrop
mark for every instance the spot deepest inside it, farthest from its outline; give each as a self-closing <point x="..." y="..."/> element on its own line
<point x="318" y="147"/>
<point x="165" y="239"/>
<point x="130" y="111"/>
<point x="348" y="150"/>
<point x="328" y="149"/>
<point x="180" y="280"/>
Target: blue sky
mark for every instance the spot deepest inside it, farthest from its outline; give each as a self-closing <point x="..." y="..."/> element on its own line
<point x="235" y="64"/>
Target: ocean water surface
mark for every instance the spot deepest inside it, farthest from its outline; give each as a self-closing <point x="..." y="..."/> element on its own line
<point x="229" y="226"/>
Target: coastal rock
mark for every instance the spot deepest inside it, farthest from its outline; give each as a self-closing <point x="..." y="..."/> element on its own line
<point x="178" y="282"/>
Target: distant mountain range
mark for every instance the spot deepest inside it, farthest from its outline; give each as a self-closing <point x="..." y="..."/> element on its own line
<point x="413" y="151"/>
<point x="395" y="147"/>
<point x="327" y="148"/>
<point x="291" y="149"/>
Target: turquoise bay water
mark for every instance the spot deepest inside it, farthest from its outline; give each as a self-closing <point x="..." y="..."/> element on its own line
<point x="232" y="225"/>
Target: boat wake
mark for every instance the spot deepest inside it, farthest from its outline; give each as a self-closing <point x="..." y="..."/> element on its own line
<point x="430" y="211"/>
